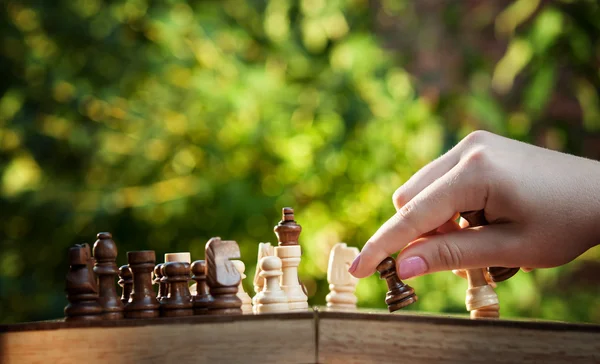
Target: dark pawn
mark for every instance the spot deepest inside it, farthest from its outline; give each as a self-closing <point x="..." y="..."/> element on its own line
<point x="477" y="218"/>
<point x="178" y="300"/>
<point x="142" y="302"/>
<point x="162" y="286"/>
<point x="126" y="282"/>
<point x="105" y="252"/>
<point x="202" y="300"/>
<point x="81" y="286"/>
<point x="399" y="294"/>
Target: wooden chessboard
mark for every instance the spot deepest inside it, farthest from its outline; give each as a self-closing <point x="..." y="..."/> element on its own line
<point x="315" y="336"/>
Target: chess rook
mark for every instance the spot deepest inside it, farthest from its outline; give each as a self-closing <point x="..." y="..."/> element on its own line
<point x="481" y="300"/>
<point x="126" y="283"/>
<point x="222" y="276"/>
<point x="341" y="283"/>
<point x="162" y="286"/>
<point x="399" y="295"/>
<point x="81" y="286"/>
<point x="477" y="218"/>
<point x="105" y="252"/>
<point x="202" y="300"/>
<point x="272" y="298"/>
<point x="290" y="253"/>
<point x="264" y="250"/>
<point x="178" y="301"/>
<point x="242" y="295"/>
<point x="142" y="302"/>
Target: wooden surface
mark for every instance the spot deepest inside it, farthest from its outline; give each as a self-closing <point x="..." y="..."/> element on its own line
<point x="285" y="338"/>
<point x="301" y="337"/>
<point x="402" y="338"/>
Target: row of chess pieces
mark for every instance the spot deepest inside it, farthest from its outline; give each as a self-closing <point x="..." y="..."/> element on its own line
<point x="218" y="289"/>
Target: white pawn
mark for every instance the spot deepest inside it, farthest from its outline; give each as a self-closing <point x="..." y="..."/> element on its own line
<point x="242" y="295"/>
<point x="272" y="298"/>
<point x="264" y="250"/>
<point x="341" y="283"/>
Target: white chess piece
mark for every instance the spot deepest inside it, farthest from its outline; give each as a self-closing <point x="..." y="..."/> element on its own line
<point x="178" y="257"/>
<point x="341" y="283"/>
<point x="290" y="259"/>
<point x="242" y="295"/>
<point x="264" y="250"/>
<point x="272" y="298"/>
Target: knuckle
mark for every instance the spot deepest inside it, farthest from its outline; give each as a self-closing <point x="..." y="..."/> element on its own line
<point x="478" y="158"/>
<point x="398" y="198"/>
<point x="477" y="137"/>
<point x="449" y="255"/>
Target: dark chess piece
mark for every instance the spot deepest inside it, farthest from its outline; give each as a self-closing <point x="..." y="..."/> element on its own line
<point x="222" y="276"/>
<point x="142" y="302"/>
<point x="498" y="274"/>
<point x="287" y="230"/>
<point x="126" y="282"/>
<point x="105" y="252"/>
<point x="162" y="286"/>
<point x="178" y="300"/>
<point x="202" y="300"/>
<point x="81" y="286"/>
<point x="399" y="295"/>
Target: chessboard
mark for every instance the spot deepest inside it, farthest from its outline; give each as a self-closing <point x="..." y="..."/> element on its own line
<point x="198" y="311"/>
<point x="317" y="335"/>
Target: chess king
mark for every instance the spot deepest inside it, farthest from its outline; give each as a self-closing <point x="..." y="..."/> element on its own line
<point x="289" y="251"/>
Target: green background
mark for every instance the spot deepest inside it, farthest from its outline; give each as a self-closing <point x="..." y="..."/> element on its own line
<point x="169" y="122"/>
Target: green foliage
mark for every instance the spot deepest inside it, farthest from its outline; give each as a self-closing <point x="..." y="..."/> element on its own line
<point x="170" y="122"/>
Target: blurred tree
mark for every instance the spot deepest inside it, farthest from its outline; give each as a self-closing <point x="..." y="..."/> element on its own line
<point x="170" y="122"/>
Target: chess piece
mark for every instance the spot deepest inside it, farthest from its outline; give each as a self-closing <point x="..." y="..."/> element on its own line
<point x="399" y="295"/>
<point x="242" y="295"/>
<point x="481" y="299"/>
<point x="264" y="250"/>
<point x="222" y="277"/>
<point x="105" y="253"/>
<point x="81" y="286"/>
<point x="272" y="298"/>
<point x="162" y="286"/>
<point x="178" y="301"/>
<point x="178" y="257"/>
<point x="290" y="253"/>
<point x="126" y="282"/>
<point x="142" y="302"/>
<point x="498" y="274"/>
<point x="202" y="299"/>
<point x="341" y="283"/>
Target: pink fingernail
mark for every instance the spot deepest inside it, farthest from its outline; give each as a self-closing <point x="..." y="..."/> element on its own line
<point x="354" y="264"/>
<point x="411" y="267"/>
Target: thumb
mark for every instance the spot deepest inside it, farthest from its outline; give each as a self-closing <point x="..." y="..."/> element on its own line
<point x="485" y="246"/>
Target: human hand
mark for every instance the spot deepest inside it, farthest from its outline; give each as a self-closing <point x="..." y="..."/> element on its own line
<point x="543" y="208"/>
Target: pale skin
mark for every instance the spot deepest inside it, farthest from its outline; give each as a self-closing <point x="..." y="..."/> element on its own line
<point x="543" y="208"/>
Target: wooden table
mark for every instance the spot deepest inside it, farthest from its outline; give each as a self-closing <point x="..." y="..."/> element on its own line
<point x="315" y="336"/>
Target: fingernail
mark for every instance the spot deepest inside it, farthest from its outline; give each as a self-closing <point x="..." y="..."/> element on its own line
<point x="354" y="264"/>
<point x="411" y="267"/>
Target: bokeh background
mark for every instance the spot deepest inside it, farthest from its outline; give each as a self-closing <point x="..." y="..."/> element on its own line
<point x="169" y="122"/>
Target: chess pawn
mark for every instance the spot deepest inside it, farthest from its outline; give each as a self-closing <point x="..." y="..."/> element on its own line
<point x="290" y="253"/>
<point x="126" y="283"/>
<point x="264" y="250"/>
<point x="222" y="277"/>
<point x="81" y="286"/>
<point x="242" y="295"/>
<point x="178" y="301"/>
<point x="399" y="295"/>
<point x="162" y="286"/>
<point x="202" y="300"/>
<point x="272" y="298"/>
<point x="142" y="302"/>
<point x="105" y="252"/>
<point x="162" y="281"/>
<point x="341" y="283"/>
<point x="481" y="299"/>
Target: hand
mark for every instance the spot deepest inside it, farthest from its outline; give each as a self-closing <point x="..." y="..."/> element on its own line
<point x="543" y="208"/>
